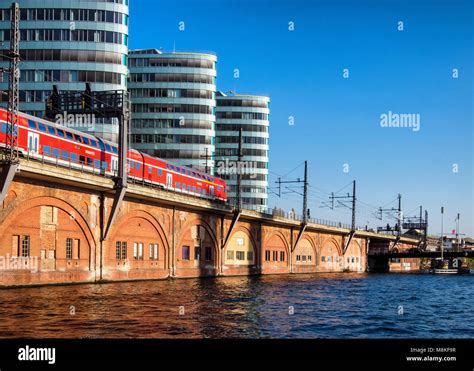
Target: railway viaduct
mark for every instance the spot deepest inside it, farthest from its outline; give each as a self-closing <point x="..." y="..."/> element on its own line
<point x="52" y="223"/>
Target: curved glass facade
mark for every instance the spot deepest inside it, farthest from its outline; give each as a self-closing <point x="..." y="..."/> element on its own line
<point x="68" y="43"/>
<point x="251" y="113"/>
<point x="173" y="106"/>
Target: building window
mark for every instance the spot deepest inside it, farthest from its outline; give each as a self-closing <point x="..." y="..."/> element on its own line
<point x="310" y="258"/>
<point x="69" y="248"/>
<point x="249" y="255"/>
<point x="197" y="253"/>
<point x="267" y="255"/>
<point x="138" y="251"/>
<point x="208" y="255"/>
<point x="323" y="259"/>
<point x="185" y="252"/>
<point x="230" y="255"/>
<point x="298" y="258"/>
<point x="240" y="255"/>
<point x="304" y="258"/>
<point x="275" y="256"/>
<point x="282" y="256"/>
<point x="118" y="250"/>
<point x="124" y="250"/>
<point x="153" y="251"/>
<point x="25" y="246"/>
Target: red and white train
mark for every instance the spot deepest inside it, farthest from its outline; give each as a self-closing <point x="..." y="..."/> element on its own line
<point x="50" y="142"/>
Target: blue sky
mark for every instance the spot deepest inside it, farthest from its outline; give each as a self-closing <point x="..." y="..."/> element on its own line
<point x="337" y="120"/>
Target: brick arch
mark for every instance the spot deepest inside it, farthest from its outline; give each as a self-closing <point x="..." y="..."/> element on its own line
<point x="202" y="266"/>
<point x="198" y="221"/>
<point x="313" y="245"/>
<point x="48" y="240"/>
<point x="279" y="235"/>
<point x="354" y="257"/>
<point x="252" y="240"/>
<point x="328" y="261"/>
<point x="148" y="218"/>
<point x="328" y="242"/>
<point x="246" y="230"/>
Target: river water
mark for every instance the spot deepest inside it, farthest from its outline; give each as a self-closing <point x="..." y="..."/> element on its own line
<point x="289" y="306"/>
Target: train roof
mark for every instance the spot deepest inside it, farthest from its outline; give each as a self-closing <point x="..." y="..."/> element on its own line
<point x="81" y="133"/>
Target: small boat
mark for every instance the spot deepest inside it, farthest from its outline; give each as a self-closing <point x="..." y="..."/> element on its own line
<point x="449" y="266"/>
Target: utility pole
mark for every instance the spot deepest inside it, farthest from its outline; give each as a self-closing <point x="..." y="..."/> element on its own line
<point x="457" y="230"/>
<point x="354" y="206"/>
<point x="239" y="171"/>
<point x="442" y="240"/>
<point x="305" y="190"/>
<point x="207" y="157"/>
<point x="9" y="159"/>
<point x="400" y="217"/>
<point x="305" y="193"/>
<point x="13" y="86"/>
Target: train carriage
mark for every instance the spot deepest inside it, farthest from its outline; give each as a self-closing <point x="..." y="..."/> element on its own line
<point x="50" y="142"/>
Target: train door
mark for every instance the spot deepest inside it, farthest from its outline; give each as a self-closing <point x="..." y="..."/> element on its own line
<point x="211" y="191"/>
<point x="33" y="143"/>
<point x="169" y="180"/>
<point x="115" y="164"/>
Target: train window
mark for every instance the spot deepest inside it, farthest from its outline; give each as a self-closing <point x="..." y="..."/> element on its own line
<point x="137" y="165"/>
<point x="189" y="188"/>
<point x="4" y="127"/>
<point x="31" y="124"/>
<point x="73" y="157"/>
<point x="61" y="133"/>
<point x="89" y="161"/>
<point x="150" y="169"/>
<point x="47" y="150"/>
<point x="69" y="135"/>
<point x="42" y="127"/>
<point x="172" y="167"/>
<point x="194" y="174"/>
<point x="189" y="173"/>
<point x="56" y="152"/>
<point x="178" y="185"/>
<point x="218" y="188"/>
<point x="194" y="189"/>
<point x="97" y="164"/>
<point x="51" y="130"/>
<point x="115" y="150"/>
<point x="160" y="172"/>
<point x="108" y="148"/>
<point x="93" y="143"/>
<point x="82" y="160"/>
<point x="85" y="140"/>
<point x="78" y="138"/>
<point x="101" y="145"/>
<point x="178" y="169"/>
<point x="199" y="190"/>
<point x="65" y="155"/>
<point x="105" y="165"/>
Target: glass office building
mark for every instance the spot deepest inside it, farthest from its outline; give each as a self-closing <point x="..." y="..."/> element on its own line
<point x="173" y="106"/>
<point x="251" y="113"/>
<point x="68" y="43"/>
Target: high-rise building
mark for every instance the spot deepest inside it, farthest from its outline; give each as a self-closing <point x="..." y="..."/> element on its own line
<point x="173" y="106"/>
<point x="251" y="114"/>
<point x="68" y="43"/>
